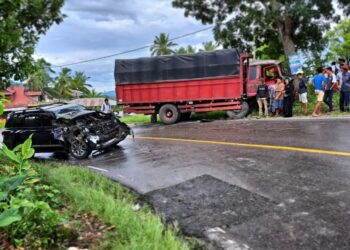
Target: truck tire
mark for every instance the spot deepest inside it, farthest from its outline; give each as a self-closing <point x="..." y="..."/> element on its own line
<point x="239" y="114"/>
<point x="169" y="114"/>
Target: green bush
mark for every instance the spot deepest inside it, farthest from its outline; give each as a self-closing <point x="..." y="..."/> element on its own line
<point x="26" y="215"/>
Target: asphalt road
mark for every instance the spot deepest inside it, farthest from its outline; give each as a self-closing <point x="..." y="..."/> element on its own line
<point x="261" y="184"/>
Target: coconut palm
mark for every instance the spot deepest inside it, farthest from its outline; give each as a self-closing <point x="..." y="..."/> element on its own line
<point x="93" y="94"/>
<point x="78" y="82"/>
<point x="209" y="46"/>
<point x="191" y="50"/>
<point x="181" y="51"/>
<point x="162" y="45"/>
<point x="62" y="84"/>
<point x="41" y="78"/>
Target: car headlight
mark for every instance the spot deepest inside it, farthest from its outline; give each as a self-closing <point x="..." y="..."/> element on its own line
<point x="94" y="138"/>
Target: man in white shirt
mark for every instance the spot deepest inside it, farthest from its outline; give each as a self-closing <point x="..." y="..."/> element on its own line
<point x="106" y="107"/>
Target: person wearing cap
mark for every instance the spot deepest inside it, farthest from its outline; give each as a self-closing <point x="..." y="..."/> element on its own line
<point x="302" y="92"/>
<point x="319" y="82"/>
<point x="345" y="89"/>
<point x="331" y="82"/>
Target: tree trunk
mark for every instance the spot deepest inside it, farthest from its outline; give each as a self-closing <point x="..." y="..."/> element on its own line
<point x="284" y="26"/>
<point x="288" y="45"/>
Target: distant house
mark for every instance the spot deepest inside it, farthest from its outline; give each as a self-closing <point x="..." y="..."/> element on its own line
<point x="18" y="97"/>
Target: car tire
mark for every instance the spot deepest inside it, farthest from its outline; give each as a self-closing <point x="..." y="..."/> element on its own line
<point x="239" y="114"/>
<point x="79" y="149"/>
<point x="169" y="114"/>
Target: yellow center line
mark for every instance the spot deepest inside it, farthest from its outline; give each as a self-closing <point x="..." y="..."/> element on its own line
<point x="250" y="145"/>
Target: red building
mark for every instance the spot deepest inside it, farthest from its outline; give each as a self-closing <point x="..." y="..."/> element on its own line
<point x="19" y="97"/>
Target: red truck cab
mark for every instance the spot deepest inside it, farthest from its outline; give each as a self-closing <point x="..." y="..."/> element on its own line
<point x="175" y="86"/>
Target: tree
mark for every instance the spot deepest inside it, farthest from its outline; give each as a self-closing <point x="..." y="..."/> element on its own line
<point x="181" y="51"/>
<point x="93" y="94"/>
<point x="191" y="50"/>
<point x="79" y="82"/>
<point x="297" y="24"/>
<point x="339" y="40"/>
<point x="40" y="79"/>
<point x="22" y="22"/>
<point x="61" y="89"/>
<point x="209" y="46"/>
<point x="162" y="45"/>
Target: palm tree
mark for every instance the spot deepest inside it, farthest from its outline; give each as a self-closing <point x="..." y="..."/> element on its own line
<point x="162" y="45"/>
<point x="62" y="85"/>
<point x="93" y="94"/>
<point x="181" y="51"/>
<point x="191" y="50"/>
<point x="78" y="82"/>
<point x="41" y="78"/>
<point x="209" y="46"/>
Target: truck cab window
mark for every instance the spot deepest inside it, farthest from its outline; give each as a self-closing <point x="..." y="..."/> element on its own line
<point x="252" y="73"/>
<point x="271" y="73"/>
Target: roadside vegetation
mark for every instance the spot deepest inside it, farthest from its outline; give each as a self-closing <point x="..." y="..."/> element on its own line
<point x="46" y="206"/>
<point x="87" y="191"/>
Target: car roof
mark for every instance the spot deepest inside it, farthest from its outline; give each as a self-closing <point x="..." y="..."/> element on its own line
<point x="59" y="107"/>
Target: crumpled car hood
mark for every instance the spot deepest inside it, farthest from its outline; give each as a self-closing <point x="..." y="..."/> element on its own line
<point x="74" y="115"/>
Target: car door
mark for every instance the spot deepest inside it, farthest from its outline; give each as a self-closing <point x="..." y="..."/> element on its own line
<point x="46" y="131"/>
<point x="32" y="125"/>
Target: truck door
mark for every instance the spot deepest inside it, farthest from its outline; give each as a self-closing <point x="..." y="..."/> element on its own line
<point x="253" y="80"/>
<point x="270" y="73"/>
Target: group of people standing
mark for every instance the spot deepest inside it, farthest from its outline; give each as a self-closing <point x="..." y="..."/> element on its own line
<point x="281" y="95"/>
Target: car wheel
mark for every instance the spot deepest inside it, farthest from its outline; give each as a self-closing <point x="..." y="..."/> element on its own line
<point x="169" y="114"/>
<point x="79" y="149"/>
<point x="239" y="114"/>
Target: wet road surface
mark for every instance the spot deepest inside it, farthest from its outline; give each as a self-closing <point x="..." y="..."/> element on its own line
<point x="294" y="198"/>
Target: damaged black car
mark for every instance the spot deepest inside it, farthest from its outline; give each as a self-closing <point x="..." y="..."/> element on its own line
<point x="65" y="128"/>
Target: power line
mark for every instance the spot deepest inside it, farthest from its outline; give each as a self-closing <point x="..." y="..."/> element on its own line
<point x="131" y="50"/>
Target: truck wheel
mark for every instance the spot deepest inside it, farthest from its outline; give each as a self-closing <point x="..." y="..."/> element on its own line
<point x="79" y="149"/>
<point x="169" y="114"/>
<point x="239" y="114"/>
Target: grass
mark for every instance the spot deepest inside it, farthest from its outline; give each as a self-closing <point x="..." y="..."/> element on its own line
<point x="91" y="192"/>
<point x="136" y="119"/>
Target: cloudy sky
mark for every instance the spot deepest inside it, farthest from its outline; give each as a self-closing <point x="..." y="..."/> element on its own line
<point x="98" y="28"/>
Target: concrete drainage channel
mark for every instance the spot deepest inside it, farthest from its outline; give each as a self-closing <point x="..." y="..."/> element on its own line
<point x="205" y="207"/>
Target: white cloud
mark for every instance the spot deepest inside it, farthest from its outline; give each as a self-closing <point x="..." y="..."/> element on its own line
<point x="99" y="28"/>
